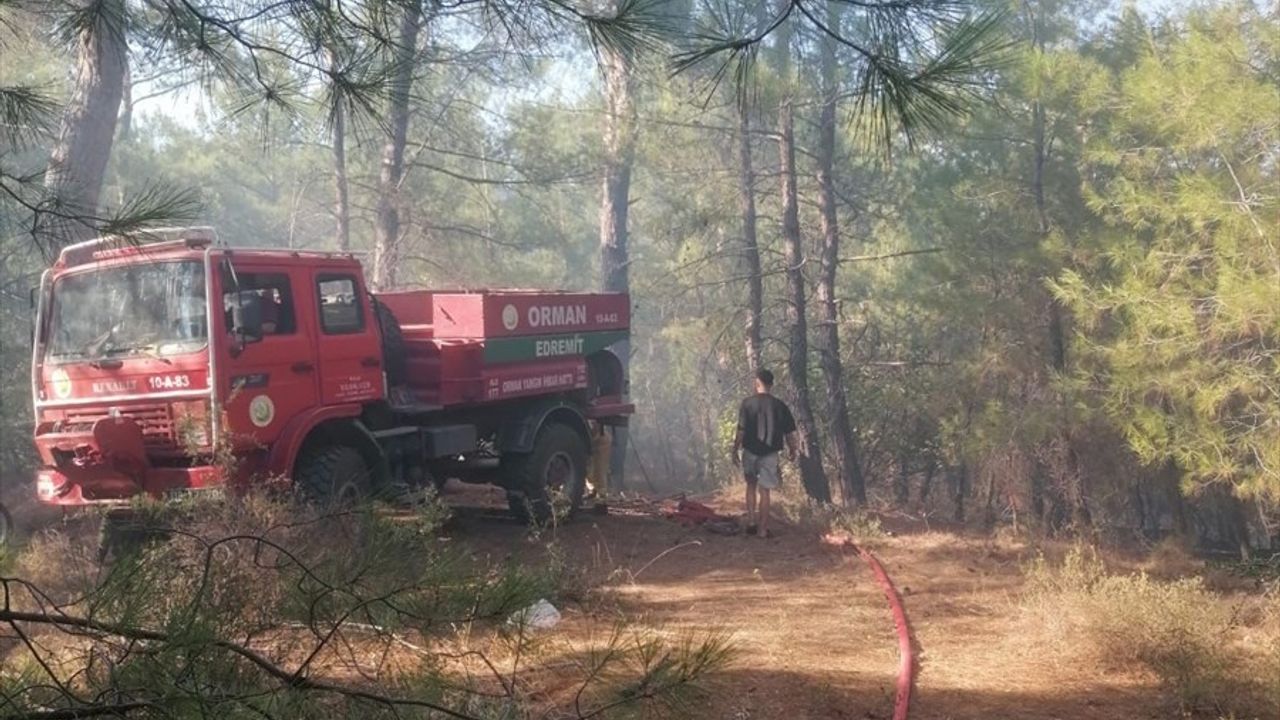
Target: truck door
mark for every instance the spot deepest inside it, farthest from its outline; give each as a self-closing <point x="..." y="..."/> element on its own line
<point x="268" y="382"/>
<point x="348" y="343"/>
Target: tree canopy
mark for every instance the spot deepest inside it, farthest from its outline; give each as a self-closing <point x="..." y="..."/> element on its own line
<point x="1056" y="297"/>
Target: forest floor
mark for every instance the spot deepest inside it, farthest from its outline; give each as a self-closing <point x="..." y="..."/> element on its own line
<point x="812" y="631"/>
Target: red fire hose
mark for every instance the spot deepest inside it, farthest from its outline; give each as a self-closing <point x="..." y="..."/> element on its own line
<point x="906" y="662"/>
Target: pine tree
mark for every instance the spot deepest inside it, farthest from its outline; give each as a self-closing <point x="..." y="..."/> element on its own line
<point x="1183" y="308"/>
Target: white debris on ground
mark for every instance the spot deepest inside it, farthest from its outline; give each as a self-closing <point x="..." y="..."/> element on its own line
<point x="541" y="615"/>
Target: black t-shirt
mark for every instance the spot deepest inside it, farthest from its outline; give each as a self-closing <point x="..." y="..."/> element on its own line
<point x="763" y="423"/>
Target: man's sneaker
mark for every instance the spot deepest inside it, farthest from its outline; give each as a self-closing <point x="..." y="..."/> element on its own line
<point x="751" y="530"/>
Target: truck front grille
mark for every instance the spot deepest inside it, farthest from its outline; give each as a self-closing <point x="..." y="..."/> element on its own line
<point x="156" y="422"/>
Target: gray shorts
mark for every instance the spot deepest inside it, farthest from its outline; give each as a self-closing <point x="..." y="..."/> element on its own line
<point x="762" y="468"/>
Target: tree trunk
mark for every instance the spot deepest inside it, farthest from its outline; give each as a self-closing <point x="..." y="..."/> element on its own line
<point x="902" y="485"/>
<point x="615" y="198"/>
<point x="959" y="489"/>
<point x="78" y="162"/>
<point x="843" y="440"/>
<point x="750" y="243"/>
<point x="1265" y="528"/>
<point x="124" y="119"/>
<point x="1078" y="494"/>
<point x="706" y="416"/>
<point x="1038" y="484"/>
<point x="1238" y="522"/>
<point x="811" y="472"/>
<point x="1172" y="481"/>
<point x="387" y="223"/>
<point x="341" y="201"/>
<point x="121" y="170"/>
<point x="926" y="484"/>
<point x="989" y="515"/>
<point x="619" y="150"/>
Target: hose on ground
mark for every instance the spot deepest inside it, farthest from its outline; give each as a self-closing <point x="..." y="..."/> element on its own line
<point x="906" y="653"/>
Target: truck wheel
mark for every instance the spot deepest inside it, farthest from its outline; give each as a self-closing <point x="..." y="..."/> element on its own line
<point x="556" y="471"/>
<point x="392" y="343"/>
<point x="334" y="475"/>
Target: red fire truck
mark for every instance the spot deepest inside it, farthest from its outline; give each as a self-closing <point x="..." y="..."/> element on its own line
<point x="182" y="364"/>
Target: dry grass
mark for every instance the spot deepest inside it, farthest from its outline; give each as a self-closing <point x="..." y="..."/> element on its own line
<point x="1269" y="640"/>
<point x="1187" y="636"/>
<point x="1172" y="558"/>
<point x="60" y="559"/>
<point x="797" y="509"/>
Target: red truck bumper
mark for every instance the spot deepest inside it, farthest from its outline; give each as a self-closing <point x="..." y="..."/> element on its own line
<point x="107" y="463"/>
<point x="105" y="486"/>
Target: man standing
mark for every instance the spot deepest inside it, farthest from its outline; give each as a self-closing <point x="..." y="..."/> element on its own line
<point x="764" y="424"/>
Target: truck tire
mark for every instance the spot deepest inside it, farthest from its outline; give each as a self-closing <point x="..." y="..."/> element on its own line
<point x="555" y="469"/>
<point x="393" y="348"/>
<point x="334" y="475"/>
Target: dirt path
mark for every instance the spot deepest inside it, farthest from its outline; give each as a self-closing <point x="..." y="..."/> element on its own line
<point x="813" y="634"/>
<point x="784" y="601"/>
<point x="979" y="659"/>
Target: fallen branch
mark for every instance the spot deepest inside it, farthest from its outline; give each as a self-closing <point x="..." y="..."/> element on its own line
<point x="662" y="554"/>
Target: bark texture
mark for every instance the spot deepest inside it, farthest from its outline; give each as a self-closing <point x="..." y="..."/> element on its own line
<point x="843" y="439"/>
<point x="619" y="157"/>
<point x="79" y="159"/>
<point x="750" y="241"/>
<point x="388" y="222"/>
<point x="615" y="199"/>
<point x="341" y="192"/>
<point x="811" y="472"/>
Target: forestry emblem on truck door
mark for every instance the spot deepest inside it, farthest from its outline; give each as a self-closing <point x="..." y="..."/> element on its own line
<point x="510" y="317"/>
<point x="61" y="383"/>
<point x="262" y="411"/>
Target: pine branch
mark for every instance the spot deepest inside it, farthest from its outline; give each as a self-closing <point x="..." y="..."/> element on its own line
<point x="886" y="256"/>
<point x="291" y="680"/>
<point x="918" y="62"/>
<point x="26" y="115"/>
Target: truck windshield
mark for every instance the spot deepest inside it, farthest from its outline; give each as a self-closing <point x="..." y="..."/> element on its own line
<point x="152" y="310"/>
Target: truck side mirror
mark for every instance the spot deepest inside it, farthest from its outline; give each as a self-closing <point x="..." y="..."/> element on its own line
<point x="246" y="318"/>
